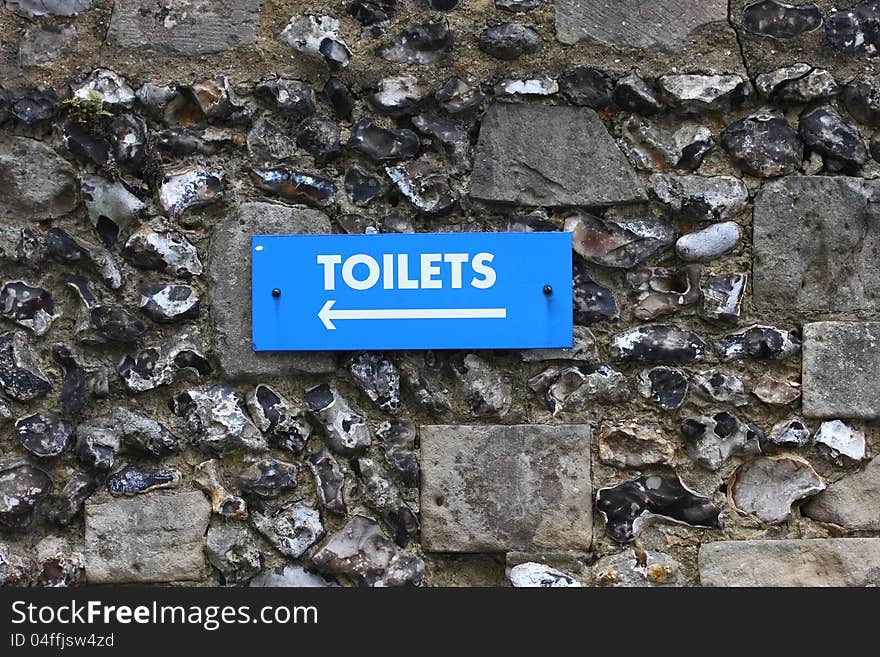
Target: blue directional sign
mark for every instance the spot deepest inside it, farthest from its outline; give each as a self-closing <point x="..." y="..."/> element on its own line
<point x="412" y="291"/>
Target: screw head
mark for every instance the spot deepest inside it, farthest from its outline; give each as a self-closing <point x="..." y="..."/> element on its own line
<point x="548" y="290"/>
<point x="276" y="293"/>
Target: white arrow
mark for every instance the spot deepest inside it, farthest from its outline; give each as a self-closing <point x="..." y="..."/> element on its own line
<point x="326" y="315"/>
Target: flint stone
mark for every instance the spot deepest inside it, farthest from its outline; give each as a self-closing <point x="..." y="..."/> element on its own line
<point x="838" y="562"/>
<point x="151" y="538"/>
<point x="815" y="245"/>
<point x="230" y="290"/>
<point x="502" y="488"/>
<point x="661" y="24"/>
<point x="184" y="28"/>
<point x="841" y="370"/>
<point x="852" y="502"/>
<point x="37" y="183"/>
<point x="525" y="154"/>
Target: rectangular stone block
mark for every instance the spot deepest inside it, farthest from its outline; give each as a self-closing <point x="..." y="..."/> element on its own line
<point x="550" y="156"/>
<point x="188" y="28"/>
<point x="852" y="502"/>
<point x="230" y="290"/>
<point x="810" y="562"/>
<point x="504" y="488"/>
<point x="815" y="244"/>
<point x="841" y="370"/>
<point x="157" y="537"/>
<point x="664" y="24"/>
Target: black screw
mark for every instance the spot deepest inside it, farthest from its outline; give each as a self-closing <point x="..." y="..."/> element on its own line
<point x="548" y="290"/>
<point x="276" y="293"/>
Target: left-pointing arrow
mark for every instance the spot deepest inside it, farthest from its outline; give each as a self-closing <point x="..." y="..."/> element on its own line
<point x="327" y="314"/>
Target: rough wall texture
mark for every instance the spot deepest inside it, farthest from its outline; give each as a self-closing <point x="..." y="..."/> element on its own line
<point x="713" y="161"/>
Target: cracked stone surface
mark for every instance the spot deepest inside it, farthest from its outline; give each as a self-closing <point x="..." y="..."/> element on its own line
<point x="524" y="154"/>
<point x="500" y="488"/>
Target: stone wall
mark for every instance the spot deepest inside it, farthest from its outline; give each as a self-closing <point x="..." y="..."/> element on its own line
<point x="713" y="161"/>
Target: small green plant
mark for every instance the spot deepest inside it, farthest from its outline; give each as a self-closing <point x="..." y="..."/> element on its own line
<point x="84" y="111"/>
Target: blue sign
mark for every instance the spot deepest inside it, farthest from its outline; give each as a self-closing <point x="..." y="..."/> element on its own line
<point x="412" y="291"/>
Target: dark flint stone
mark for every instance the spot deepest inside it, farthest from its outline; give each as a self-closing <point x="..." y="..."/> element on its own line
<point x="20" y="375"/>
<point x="285" y="424"/>
<point x="294" y="185"/>
<point x="824" y="131"/>
<point x="362" y="187"/>
<point x="510" y="41"/>
<point x="31" y="307"/>
<point x="518" y="6"/>
<point x="779" y="20"/>
<point x="37" y="105"/>
<point x="633" y="94"/>
<point x="216" y="419"/>
<point x="133" y="480"/>
<point x="80" y="382"/>
<point x="529" y="223"/>
<point x="129" y="138"/>
<point x="362" y="552"/>
<point x="764" y="145"/>
<point x="423" y="43"/>
<point x="398" y="440"/>
<point x="357" y="224"/>
<point x="116" y="324"/>
<point x="203" y="139"/>
<point x="443" y="5"/>
<point x="99" y="438"/>
<point x="592" y="302"/>
<point x="722" y="298"/>
<point x="578" y="387"/>
<point x="369" y="12"/>
<point x="293" y="98"/>
<point x="5" y="106"/>
<point x="618" y="242"/>
<point x="335" y="53"/>
<point x="22" y="488"/>
<point x="856" y="30"/>
<point x="398" y="96"/>
<point x="659" y="343"/>
<point x="797" y="84"/>
<point x="666" y="387"/>
<point x="587" y="87"/>
<point x="421" y="373"/>
<point x="156" y="366"/>
<point x="381" y="495"/>
<point x="425" y="185"/>
<point x="216" y="101"/>
<point x="377" y="376"/>
<point x="378" y="143"/>
<point x="163" y="250"/>
<point x="319" y="138"/>
<point x="329" y="480"/>
<point x="72" y="497"/>
<point x="267" y="478"/>
<point x="457" y="95"/>
<point x="44" y="433"/>
<point x="874" y="146"/>
<point x="22" y="246"/>
<point x="761" y="342"/>
<point x="84" y="145"/>
<point x="861" y="96"/>
<point x="269" y="140"/>
<point x="452" y="138"/>
<point x="710" y="441"/>
<point x="167" y="303"/>
<point x="339" y="97"/>
<point x="627" y="505"/>
<point x="346" y="430"/>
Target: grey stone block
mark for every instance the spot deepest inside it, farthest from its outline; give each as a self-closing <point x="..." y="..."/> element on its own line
<point x="664" y="24"/>
<point x="810" y="562"/>
<point x="852" y="502"/>
<point x="230" y="290"/>
<point x="550" y="156"/>
<point x="815" y="244"/>
<point x="841" y="370"/>
<point x="35" y="183"/>
<point x="186" y="28"/>
<point x="157" y="537"/>
<point x="504" y="488"/>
